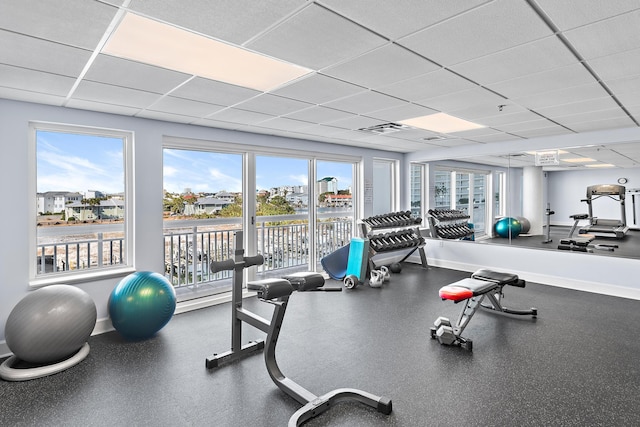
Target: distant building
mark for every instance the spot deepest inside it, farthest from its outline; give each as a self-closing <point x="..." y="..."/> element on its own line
<point x="298" y="199"/>
<point x="107" y="209"/>
<point x="327" y="185"/>
<point x="55" y="201"/>
<point x="339" y="200"/>
<point x="210" y="205"/>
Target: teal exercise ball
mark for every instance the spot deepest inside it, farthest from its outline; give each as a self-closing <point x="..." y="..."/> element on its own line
<point x="141" y="304"/>
<point x="508" y="227"/>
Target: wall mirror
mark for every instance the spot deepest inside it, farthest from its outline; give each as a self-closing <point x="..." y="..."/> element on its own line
<point x="564" y="176"/>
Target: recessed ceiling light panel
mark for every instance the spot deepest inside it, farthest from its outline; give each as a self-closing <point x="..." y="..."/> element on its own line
<point x="152" y="42"/>
<point x="441" y="123"/>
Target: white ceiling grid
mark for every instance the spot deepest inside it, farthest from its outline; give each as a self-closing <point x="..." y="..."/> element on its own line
<point x="556" y="67"/>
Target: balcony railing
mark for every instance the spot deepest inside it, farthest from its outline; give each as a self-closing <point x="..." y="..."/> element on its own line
<point x="189" y="247"/>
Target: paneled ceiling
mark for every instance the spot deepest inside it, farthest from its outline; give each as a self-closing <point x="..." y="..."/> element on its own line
<point x="521" y="68"/>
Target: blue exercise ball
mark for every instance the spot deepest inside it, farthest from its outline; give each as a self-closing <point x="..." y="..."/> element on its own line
<point x="141" y="304"/>
<point x="508" y="227"/>
<point x="50" y="324"/>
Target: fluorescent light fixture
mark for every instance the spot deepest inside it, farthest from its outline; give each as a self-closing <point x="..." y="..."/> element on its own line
<point x="152" y="42"/>
<point x="579" y="160"/>
<point x="441" y="123"/>
<point x="601" y="165"/>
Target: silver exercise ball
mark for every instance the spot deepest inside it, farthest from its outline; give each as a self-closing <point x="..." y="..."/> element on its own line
<point x="50" y="324"/>
<point x="525" y="224"/>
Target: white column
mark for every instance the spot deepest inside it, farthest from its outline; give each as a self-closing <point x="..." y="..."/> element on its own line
<point x="532" y="197"/>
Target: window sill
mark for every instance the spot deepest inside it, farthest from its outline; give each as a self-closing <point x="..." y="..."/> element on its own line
<point x="79" y="277"/>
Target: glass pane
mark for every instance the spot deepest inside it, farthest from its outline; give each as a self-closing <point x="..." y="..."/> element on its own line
<point x="202" y="207"/>
<point x="479" y="203"/>
<point x="80" y="186"/>
<point x="442" y="186"/>
<point x="282" y="217"/>
<point x="416" y="190"/>
<point x="383" y="190"/>
<point x="334" y="207"/>
<point x="462" y="192"/>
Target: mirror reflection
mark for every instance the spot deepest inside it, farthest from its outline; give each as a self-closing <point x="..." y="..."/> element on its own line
<point x="583" y="199"/>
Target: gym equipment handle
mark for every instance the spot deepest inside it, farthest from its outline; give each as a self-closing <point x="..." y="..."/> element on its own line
<point x="227" y="264"/>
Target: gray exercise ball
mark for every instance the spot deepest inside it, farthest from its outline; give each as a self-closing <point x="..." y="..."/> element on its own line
<point x="524" y="224"/>
<point x="50" y="324"/>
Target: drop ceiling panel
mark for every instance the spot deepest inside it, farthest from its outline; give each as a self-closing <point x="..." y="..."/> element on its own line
<point x="388" y="64"/>
<point x="355" y="122"/>
<point x="272" y="104"/>
<point x="508" y="118"/>
<point x="215" y="92"/>
<point x="456" y="40"/>
<point x="235" y="115"/>
<point x="490" y="107"/>
<point x="606" y="37"/>
<point x="78" y="23"/>
<point x="463" y="100"/>
<point x="564" y="96"/>
<point x="533" y="84"/>
<point x="98" y="92"/>
<point x="167" y="117"/>
<point x="184" y="107"/>
<point x="316" y="38"/>
<point x="220" y="18"/>
<point x="452" y="142"/>
<point x="625" y="86"/>
<point x="428" y="85"/>
<point x="35" y="81"/>
<point x="283" y="123"/>
<point x="28" y="96"/>
<point x="319" y="115"/>
<point x="365" y="102"/>
<point x="497" y="137"/>
<point x="578" y="107"/>
<point x="318" y="89"/>
<point x="614" y="113"/>
<point x="541" y="55"/>
<point x="568" y="14"/>
<point x="603" y="124"/>
<point x="99" y="106"/>
<point x="42" y="55"/>
<point x="397" y="18"/>
<point x="121" y="72"/>
<point x="525" y="126"/>
<point x="405" y="111"/>
<point x="617" y="66"/>
<point x="540" y="132"/>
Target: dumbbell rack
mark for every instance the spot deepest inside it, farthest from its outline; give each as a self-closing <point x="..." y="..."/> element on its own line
<point x="449" y="224"/>
<point x="404" y="235"/>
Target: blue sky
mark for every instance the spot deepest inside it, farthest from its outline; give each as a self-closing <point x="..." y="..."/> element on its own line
<point x="69" y="162"/>
<point x="72" y="162"/>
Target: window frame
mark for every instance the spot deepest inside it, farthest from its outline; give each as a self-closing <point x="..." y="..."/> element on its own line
<point x="37" y="280"/>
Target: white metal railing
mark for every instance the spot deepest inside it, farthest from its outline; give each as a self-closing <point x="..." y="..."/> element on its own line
<point x="190" y="245"/>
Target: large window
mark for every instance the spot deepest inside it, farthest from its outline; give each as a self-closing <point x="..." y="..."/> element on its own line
<point x="83" y="202"/>
<point x="293" y="208"/>
<point x="384" y="186"/>
<point x="202" y="207"/>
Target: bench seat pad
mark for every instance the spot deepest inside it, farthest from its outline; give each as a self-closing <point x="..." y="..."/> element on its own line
<point x="271" y="288"/>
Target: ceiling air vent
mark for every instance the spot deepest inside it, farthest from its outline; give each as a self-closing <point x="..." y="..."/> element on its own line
<point x="435" y="138"/>
<point x="385" y="128"/>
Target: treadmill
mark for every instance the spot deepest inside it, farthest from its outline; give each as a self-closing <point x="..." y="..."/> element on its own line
<point x="616" y="228"/>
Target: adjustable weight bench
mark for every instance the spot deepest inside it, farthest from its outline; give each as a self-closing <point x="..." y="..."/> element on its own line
<point x="483" y="283"/>
<point x="277" y="292"/>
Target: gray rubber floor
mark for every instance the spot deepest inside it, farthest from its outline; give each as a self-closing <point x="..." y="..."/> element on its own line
<point x="576" y="365"/>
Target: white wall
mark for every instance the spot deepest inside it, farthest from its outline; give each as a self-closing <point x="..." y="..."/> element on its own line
<point x="567" y="188"/>
<point x="14" y="167"/>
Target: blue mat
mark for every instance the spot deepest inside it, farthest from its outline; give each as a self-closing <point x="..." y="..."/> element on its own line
<point x="335" y="264"/>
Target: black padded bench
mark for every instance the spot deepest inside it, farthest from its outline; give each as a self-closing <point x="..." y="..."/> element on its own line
<point x="473" y="290"/>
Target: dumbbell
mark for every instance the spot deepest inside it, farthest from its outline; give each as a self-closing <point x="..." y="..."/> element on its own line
<point x="443" y="332"/>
